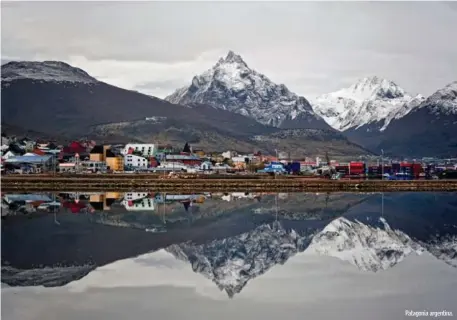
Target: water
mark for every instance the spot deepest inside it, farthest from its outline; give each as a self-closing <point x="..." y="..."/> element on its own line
<point x="116" y="255"/>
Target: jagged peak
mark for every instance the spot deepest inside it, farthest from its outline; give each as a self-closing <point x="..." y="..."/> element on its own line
<point x="376" y="87"/>
<point x="231" y="58"/>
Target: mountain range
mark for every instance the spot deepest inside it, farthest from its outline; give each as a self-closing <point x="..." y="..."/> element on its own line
<point x="231" y="106"/>
<point x="379" y="114"/>
<point x="55" y="98"/>
<point x="373" y="112"/>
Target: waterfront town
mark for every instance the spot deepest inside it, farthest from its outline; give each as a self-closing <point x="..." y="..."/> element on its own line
<point x="27" y="156"/>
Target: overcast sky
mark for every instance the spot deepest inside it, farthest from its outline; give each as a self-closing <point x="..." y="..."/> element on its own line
<point x="313" y="48"/>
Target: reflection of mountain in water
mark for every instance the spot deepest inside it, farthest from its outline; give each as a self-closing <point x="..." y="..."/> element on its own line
<point x="371" y="245"/>
<point x="232" y="243"/>
<point x="367" y="247"/>
<point x="232" y="262"/>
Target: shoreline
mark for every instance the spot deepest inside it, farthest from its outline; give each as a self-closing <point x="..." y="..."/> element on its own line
<point x="129" y="182"/>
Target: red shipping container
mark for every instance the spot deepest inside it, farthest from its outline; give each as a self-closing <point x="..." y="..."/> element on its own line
<point x="417" y="169"/>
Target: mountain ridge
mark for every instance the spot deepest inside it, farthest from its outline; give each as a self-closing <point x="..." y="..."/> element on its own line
<point x="59" y="99"/>
<point x="369" y="101"/>
<point x="231" y="85"/>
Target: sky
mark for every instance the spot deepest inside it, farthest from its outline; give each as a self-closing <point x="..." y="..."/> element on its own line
<point x="311" y="47"/>
<point x="156" y="285"/>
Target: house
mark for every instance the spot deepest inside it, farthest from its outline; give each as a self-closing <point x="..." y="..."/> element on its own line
<point x="114" y="162"/>
<point x="206" y="165"/>
<point x="33" y="163"/>
<point x="229" y="154"/>
<point x="98" y="153"/>
<point x="94" y="166"/>
<point x="145" y="149"/>
<point x="187" y="159"/>
<point x="138" y="201"/>
<point x="134" y="161"/>
<point x="5" y="143"/>
<point x="74" y="148"/>
<point x="145" y="204"/>
<point x="27" y="144"/>
<point x="67" y="167"/>
<point x="8" y="155"/>
<point x="200" y="153"/>
<point x="103" y="202"/>
<point x="240" y="162"/>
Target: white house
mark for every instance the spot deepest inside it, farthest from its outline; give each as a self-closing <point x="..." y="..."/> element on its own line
<point x="206" y="165"/>
<point x="8" y="155"/>
<point x="145" y="204"/>
<point x="147" y="150"/>
<point x="229" y="154"/>
<point x="131" y="196"/>
<point x="131" y="160"/>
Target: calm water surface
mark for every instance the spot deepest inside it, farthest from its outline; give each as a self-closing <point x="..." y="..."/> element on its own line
<point x="167" y="256"/>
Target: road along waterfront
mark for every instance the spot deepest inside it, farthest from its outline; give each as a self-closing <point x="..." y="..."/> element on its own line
<point x="131" y="182"/>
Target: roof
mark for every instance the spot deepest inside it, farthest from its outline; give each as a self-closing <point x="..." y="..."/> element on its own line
<point x="26" y="197"/>
<point x="67" y="164"/>
<point x="110" y="154"/>
<point x="97" y="149"/>
<point x="181" y="157"/>
<point x="28" y="159"/>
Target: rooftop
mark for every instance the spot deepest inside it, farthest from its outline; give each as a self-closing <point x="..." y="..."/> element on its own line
<point x="28" y="159"/>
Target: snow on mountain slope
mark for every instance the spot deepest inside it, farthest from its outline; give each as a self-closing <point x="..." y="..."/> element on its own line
<point x="232" y="85"/>
<point x="443" y="101"/>
<point x="369" y="101"/>
<point x="46" y="71"/>
<point x="366" y="247"/>
<point x="231" y="263"/>
<point x="373" y="246"/>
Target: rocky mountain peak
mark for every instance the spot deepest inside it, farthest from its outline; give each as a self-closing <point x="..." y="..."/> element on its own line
<point x="375" y="87"/>
<point x="231" y="85"/>
<point x="373" y="101"/>
<point x="443" y="101"/>
<point x="232" y="57"/>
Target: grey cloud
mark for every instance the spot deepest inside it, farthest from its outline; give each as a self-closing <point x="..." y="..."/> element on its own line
<point x="408" y="42"/>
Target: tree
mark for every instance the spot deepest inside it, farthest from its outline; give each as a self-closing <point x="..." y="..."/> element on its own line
<point x="186" y="148"/>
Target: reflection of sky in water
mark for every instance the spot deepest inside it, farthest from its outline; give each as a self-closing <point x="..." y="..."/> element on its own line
<point x="287" y="255"/>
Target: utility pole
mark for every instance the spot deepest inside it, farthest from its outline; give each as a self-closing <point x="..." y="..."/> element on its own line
<point x="382" y="164"/>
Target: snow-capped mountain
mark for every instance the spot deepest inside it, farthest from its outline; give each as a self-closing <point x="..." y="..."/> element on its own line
<point x="429" y="129"/>
<point x="232" y="85"/>
<point x="443" y="101"/>
<point x="366" y="247"/>
<point x="231" y="263"/>
<point x="55" y="71"/>
<point x="370" y="101"/>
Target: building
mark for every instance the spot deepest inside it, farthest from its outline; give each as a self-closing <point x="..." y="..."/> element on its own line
<point x="102" y="202"/>
<point x="98" y="153"/>
<point x="229" y="154"/>
<point x="114" y="162"/>
<point x="74" y="148"/>
<point x="67" y="167"/>
<point x="94" y="166"/>
<point x="206" y="165"/>
<point x="138" y="201"/>
<point x="134" y="161"/>
<point x="33" y="163"/>
<point x="187" y="159"/>
<point x="147" y="150"/>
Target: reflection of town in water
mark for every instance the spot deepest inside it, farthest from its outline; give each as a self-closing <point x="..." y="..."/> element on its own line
<point x="229" y="238"/>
